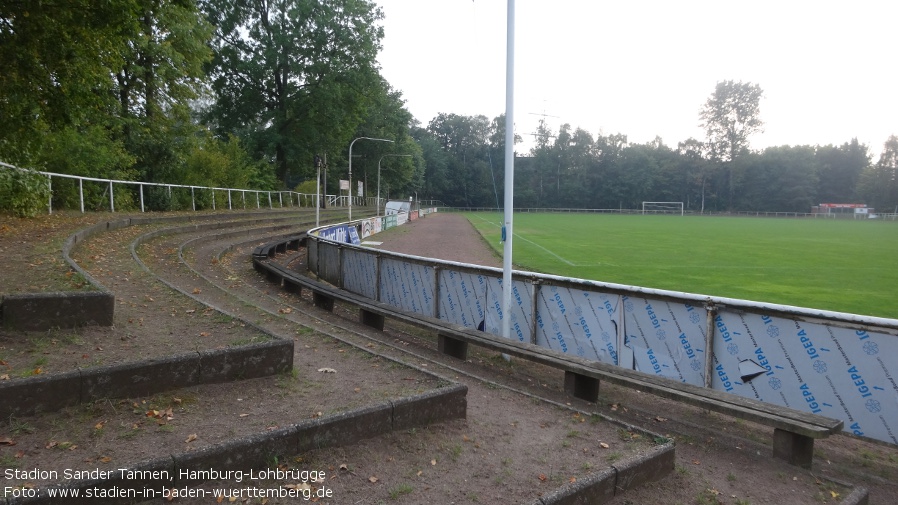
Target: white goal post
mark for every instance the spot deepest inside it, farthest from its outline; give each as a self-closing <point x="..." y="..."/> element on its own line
<point x="662" y="208"/>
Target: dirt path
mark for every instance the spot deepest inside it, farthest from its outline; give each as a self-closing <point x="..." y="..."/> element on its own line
<point x="444" y="236"/>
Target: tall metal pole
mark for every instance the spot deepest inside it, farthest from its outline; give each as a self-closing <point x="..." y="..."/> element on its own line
<point x="509" y="173"/>
<point x="350" y="168"/>
<point x="378" y="176"/>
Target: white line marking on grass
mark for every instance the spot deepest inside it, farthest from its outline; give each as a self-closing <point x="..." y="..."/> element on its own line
<point x="541" y="247"/>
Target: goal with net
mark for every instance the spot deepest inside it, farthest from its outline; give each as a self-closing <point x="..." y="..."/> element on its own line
<point x="662" y="208"/>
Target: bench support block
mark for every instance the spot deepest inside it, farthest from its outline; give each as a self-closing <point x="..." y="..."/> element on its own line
<point x="322" y="301"/>
<point x="273" y="277"/>
<point x="452" y="347"/>
<point x="292" y="287"/>
<point x="581" y="386"/>
<point x="793" y="448"/>
<point x="371" y="319"/>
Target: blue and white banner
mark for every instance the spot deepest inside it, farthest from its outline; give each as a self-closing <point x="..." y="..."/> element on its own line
<point x="578" y="322"/>
<point x="806" y="362"/>
<point x="408" y="286"/>
<point x="666" y="338"/>
<point x="836" y="372"/>
<point x="521" y="303"/>
<point x="462" y="297"/>
<point x="342" y="233"/>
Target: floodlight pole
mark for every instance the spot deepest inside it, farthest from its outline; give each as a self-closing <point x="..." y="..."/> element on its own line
<point x="378" y="176"/>
<point x="350" y="168"/>
<point x="509" y="173"/>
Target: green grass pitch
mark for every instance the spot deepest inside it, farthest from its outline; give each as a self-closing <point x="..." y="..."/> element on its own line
<point x="839" y="265"/>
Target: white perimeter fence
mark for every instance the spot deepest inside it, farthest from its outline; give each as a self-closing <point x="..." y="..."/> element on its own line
<point x="301" y="199"/>
<point x="743" y="213"/>
<point x="834" y="364"/>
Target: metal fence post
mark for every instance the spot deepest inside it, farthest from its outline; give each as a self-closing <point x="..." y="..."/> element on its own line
<point x="141" y="197"/>
<point x="709" y="343"/>
<point x="111" y="198"/>
<point x="50" y="198"/>
<point x="192" y="199"/>
<point x="81" y="193"/>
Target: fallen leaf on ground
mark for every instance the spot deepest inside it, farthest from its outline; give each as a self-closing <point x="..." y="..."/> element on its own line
<point x="285" y="311"/>
<point x="4" y="377"/>
<point x="327" y="370"/>
<point x="433" y="462"/>
<point x="603" y="445"/>
<point x="105" y="459"/>
<point x="191" y="438"/>
<point x="372" y="479"/>
<point x="197" y="291"/>
<point x="660" y="419"/>
<point x="7" y="441"/>
<point x="542" y="477"/>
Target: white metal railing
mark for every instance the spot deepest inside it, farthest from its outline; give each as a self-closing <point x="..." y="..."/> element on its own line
<point x="300" y="198"/>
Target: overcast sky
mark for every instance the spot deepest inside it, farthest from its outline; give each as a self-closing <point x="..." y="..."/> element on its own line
<point x="645" y="68"/>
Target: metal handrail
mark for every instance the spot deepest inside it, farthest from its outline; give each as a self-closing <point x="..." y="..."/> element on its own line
<point x="333" y="199"/>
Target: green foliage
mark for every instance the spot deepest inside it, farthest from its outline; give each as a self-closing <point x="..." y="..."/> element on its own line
<point x="307" y="187"/>
<point x="92" y="152"/>
<point x="57" y="59"/>
<point x="23" y="193"/>
<point x="293" y="77"/>
<point x="878" y="184"/>
<point x="730" y="116"/>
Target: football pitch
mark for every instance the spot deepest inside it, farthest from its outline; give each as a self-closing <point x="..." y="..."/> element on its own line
<point x="839" y="265"/>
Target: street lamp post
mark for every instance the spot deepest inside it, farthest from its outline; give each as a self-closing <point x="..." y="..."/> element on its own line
<point x="378" y="176"/>
<point x="350" y="168"/>
<point x="318" y="191"/>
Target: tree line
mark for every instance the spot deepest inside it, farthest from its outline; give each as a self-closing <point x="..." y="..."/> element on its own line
<point x="245" y="94"/>
<point x="571" y="168"/>
<point x="230" y="93"/>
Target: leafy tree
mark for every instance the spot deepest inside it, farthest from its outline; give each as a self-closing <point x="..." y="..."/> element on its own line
<point x="286" y="71"/>
<point x="469" y="169"/>
<point x="56" y="60"/>
<point x="696" y="170"/>
<point x="789" y="179"/>
<point x="839" y="169"/>
<point x="730" y="115"/>
<point x="878" y="184"/>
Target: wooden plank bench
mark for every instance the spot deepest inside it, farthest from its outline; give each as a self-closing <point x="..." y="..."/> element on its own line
<point x="794" y="430"/>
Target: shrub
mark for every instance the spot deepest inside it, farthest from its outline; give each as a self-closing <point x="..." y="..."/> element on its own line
<point x="23" y="193"/>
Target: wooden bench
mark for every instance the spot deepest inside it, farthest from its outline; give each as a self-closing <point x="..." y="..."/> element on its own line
<point x="794" y="431"/>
